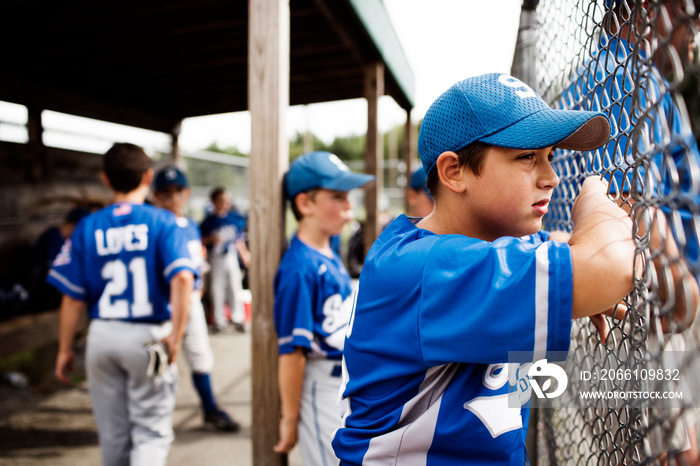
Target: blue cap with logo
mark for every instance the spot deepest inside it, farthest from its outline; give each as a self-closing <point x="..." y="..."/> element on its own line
<point x="500" y="110"/>
<point x="321" y="170"/>
<point x="170" y="176"/>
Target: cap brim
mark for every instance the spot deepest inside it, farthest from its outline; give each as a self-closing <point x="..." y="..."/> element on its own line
<point x="347" y="181"/>
<point x="566" y="129"/>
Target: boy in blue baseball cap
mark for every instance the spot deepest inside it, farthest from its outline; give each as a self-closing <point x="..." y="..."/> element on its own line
<point x="418" y="198"/>
<point x="312" y="305"/>
<point x="443" y="300"/>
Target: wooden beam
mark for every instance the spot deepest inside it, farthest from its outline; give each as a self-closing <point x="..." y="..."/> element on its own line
<point x="339" y="26"/>
<point x="175" y="153"/>
<point x="36" y="162"/>
<point x="374" y="89"/>
<point x="409" y="152"/>
<point x="29" y="94"/>
<point x="392" y="142"/>
<point x="268" y="100"/>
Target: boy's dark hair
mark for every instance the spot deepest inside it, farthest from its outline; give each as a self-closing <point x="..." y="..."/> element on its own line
<point x="471" y="156"/>
<point x="216" y="192"/>
<point x="295" y="210"/>
<point x="124" y="165"/>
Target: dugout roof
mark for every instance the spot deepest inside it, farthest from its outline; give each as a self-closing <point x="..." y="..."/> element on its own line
<point x="151" y="63"/>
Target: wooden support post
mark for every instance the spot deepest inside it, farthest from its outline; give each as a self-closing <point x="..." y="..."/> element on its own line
<point x="36" y="166"/>
<point x="175" y="154"/>
<point x="409" y="152"/>
<point x="393" y="156"/>
<point x="374" y="88"/>
<point x="268" y="100"/>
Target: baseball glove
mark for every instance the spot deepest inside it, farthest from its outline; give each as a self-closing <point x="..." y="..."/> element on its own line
<point x="157" y="359"/>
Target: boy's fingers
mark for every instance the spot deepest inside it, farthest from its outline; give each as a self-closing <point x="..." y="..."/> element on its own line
<point x="601" y="325"/>
<point x="618" y="312"/>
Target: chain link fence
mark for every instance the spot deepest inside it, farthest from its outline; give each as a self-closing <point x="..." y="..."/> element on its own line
<point x="637" y="62"/>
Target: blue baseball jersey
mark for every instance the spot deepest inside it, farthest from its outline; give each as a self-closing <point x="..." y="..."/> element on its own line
<point x="425" y="368"/>
<point x="194" y="246"/>
<point x="313" y="296"/>
<point x="120" y="261"/>
<point x="230" y="228"/>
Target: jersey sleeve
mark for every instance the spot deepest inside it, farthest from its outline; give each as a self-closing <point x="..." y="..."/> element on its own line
<point x="67" y="272"/>
<point x="477" y="295"/>
<point x="293" y="309"/>
<point x="173" y="250"/>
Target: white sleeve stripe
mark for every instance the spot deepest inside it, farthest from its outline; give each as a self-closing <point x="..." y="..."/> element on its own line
<point x="297" y="332"/>
<point x="65" y="282"/>
<point x="285" y="340"/>
<point x="183" y="262"/>
<point x="541" y="301"/>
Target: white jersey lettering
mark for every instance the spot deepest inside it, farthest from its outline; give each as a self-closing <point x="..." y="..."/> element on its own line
<point x="118" y="239"/>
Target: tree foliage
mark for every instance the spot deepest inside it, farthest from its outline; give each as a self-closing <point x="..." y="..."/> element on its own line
<point x="347" y="148"/>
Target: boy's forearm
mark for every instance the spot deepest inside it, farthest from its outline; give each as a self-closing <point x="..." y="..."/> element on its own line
<point x="602" y="250"/>
<point x="69" y="319"/>
<point x="181" y="287"/>
<point x="291" y="380"/>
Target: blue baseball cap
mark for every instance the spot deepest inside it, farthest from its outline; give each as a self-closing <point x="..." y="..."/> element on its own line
<point x="500" y="110"/>
<point x="418" y="181"/>
<point x="170" y="176"/>
<point x="418" y="178"/>
<point x="321" y="170"/>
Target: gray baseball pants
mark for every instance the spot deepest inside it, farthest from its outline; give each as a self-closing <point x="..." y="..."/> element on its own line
<point x="133" y="411"/>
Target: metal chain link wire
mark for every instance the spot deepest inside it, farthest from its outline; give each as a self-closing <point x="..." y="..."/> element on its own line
<point x="632" y="60"/>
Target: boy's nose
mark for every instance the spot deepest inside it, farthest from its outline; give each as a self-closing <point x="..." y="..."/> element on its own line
<point x="549" y="178"/>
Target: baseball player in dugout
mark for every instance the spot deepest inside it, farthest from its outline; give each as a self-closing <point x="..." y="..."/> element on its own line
<point x="171" y="191"/>
<point x="442" y="300"/>
<point x="312" y="305"/>
<point x="223" y="233"/>
<point x="129" y="266"/>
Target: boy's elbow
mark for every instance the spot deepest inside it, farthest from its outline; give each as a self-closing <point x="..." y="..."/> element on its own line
<point x="183" y="279"/>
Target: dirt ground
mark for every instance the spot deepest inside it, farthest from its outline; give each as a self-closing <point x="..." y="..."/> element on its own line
<point x="53" y="424"/>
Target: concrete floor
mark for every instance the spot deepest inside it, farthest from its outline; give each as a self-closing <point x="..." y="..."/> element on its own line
<point x="53" y="425"/>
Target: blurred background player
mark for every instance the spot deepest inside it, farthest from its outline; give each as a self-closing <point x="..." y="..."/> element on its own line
<point x="312" y="305"/>
<point x="172" y="193"/>
<point x="418" y="199"/>
<point x="223" y="233"/>
<point x="420" y="204"/>
<point x="129" y="265"/>
<point x="42" y="295"/>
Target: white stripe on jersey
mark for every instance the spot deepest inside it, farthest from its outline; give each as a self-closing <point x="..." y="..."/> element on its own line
<point x="297" y="332"/>
<point x="66" y="283"/>
<point x="541" y="302"/>
<point x="178" y="263"/>
<point x="410" y="441"/>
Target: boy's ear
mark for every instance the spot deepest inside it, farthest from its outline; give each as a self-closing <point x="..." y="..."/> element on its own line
<point x="147" y="177"/>
<point x="450" y="173"/>
<point x="105" y="180"/>
<point x="303" y="202"/>
<point x="411" y="196"/>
